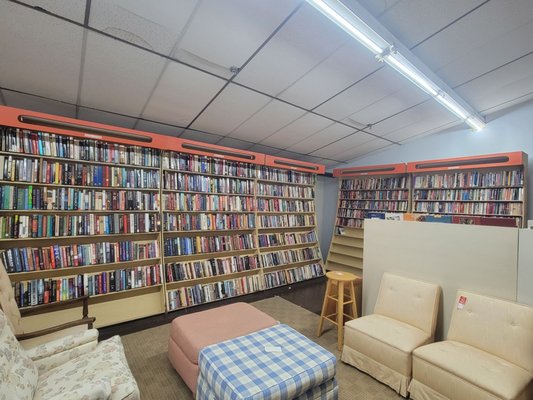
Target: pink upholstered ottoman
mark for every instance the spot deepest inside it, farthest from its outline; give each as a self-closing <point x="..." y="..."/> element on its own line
<point x="192" y="332"/>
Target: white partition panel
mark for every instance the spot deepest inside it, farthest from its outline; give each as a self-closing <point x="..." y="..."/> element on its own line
<point x="482" y="259"/>
<point x="525" y="267"/>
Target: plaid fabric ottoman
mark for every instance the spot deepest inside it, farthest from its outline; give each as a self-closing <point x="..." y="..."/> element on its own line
<point x="274" y="363"/>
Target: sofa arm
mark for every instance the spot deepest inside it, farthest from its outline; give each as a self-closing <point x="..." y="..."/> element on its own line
<point x="49" y="355"/>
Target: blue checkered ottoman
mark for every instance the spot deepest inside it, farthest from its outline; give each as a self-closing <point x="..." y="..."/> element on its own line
<point x="275" y="363"/>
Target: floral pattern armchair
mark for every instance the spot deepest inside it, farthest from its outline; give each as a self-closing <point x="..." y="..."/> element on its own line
<point x="85" y="374"/>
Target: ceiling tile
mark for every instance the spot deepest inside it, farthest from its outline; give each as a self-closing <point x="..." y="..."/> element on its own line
<point x="153" y="26"/>
<point x="218" y="48"/>
<point x="415" y="20"/>
<point x="332" y="151"/>
<point x="259" y="148"/>
<point x="229" y="110"/>
<point x="387" y="106"/>
<point x="267" y="120"/>
<point x="480" y="28"/>
<point x="329" y="163"/>
<point x="40" y="54"/>
<point x="39" y="104"/>
<point x="71" y="9"/>
<point x="118" y="77"/>
<point x="422" y="128"/>
<point x="235" y="143"/>
<point x="203" y="137"/>
<point x="376" y="7"/>
<point x="155" y="127"/>
<point x="288" y="154"/>
<point x="322" y="138"/>
<point x="296" y="131"/>
<point x="293" y="52"/>
<point x="429" y="111"/>
<point x="363" y="149"/>
<point x="371" y="89"/>
<point x="500" y="86"/>
<point x="344" y="67"/>
<point x="103" y="117"/>
<point x="181" y="93"/>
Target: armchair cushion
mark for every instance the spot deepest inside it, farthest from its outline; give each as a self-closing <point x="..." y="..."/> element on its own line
<point x="52" y="354"/>
<point x="106" y="361"/>
<point x="18" y="373"/>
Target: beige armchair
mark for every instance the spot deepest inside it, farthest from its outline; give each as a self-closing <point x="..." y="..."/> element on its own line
<point x="381" y="344"/>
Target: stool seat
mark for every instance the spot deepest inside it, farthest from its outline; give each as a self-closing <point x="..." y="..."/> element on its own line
<point x="338" y="282"/>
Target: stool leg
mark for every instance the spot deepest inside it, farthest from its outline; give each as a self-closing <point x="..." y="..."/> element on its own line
<point x="354" y="301"/>
<point x="340" y="314"/>
<point x="324" y="308"/>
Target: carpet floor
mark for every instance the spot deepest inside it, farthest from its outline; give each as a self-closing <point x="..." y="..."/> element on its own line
<point x="146" y="352"/>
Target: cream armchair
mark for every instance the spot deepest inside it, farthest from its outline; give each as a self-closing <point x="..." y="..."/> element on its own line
<point x="381" y="344"/>
<point x="101" y="373"/>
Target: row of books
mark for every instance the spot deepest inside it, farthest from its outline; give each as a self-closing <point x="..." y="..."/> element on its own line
<point x="292" y="275"/>
<point x="72" y="199"/>
<point x="207" y="202"/>
<point x="470" y="179"/>
<point x="349" y="222"/>
<point x="285" y="221"/>
<point x="180" y="246"/>
<point x="44" y="291"/>
<point x="207" y="165"/>
<point x="375" y="183"/>
<point x="287" y="238"/>
<point x="512" y="222"/>
<point x="52" y="145"/>
<point x="283" y="205"/>
<point x="48" y="226"/>
<point x="284" y="257"/>
<point x="374" y="195"/>
<point x="388" y="205"/>
<point x="121" y="279"/>
<point x="481" y="208"/>
<point x="206" y="268"/>
<point x="209" y="222"/>
<point x="76" y="174"/>
<point x="75" y="255"/>
<point x="499" y="194"/>
<point x="273" y="189"/>
<point x="287" y="176"/>
<point x="199" y="294"/>
<point x="207" y="184"/>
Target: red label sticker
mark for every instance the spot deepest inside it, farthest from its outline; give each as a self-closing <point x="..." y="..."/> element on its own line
<point x="461" y="303"/>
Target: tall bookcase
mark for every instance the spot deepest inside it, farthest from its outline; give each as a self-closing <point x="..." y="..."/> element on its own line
<point x="379" y="191"/>
<point x="144" y="223"/>
<point x="483" y="190"/>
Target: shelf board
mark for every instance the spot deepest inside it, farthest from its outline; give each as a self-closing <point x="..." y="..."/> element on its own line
<point x="79" y="187"/>
<point x="352" y="232"/>
<point x="293" y="228"/>
<point x="374" y="190"/>
<point x="219" y="254"/>
<point x="84" y="269"/>
<point x="208" y="193"/>
<point x="178" y="171"/>
<point x="284" y="198"/>
<point x="285" y="212"/>
<point x="274" y="182"/>
<point x="78" y="237"/>
<point x="273" y="268"/>
<point x="344" y="259"/>
<point x="349" y="251"/>
<point x="272" y="249"/>
<point x="99" y="298"/>
<point x="210" y="279"/>
<point x="213" y="232"/>
<point x="348" y="241"/>
<point x="207" y="212"/>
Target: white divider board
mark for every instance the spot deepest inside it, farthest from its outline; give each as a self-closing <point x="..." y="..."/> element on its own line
<point x="525" y="267"/>
<point x="481" y="259"/>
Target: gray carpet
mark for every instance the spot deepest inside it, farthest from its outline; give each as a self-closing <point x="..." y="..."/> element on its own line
<point x="146" y="353"/>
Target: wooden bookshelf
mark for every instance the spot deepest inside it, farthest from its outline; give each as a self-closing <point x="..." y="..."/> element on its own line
<point x="144" y="223"/>
<point x="378" y="191"/>
<point x="483" y="190"/>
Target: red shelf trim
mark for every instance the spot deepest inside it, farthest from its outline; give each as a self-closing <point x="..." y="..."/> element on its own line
<point x="482" y="161"/>
<point x="384" y="169"/>
<point x="31" y="120"/>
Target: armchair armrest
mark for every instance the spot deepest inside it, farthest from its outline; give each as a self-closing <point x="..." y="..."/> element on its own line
<point x="56" y="352"/>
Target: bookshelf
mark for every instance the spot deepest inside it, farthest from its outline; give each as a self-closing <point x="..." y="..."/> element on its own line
<point x="289" y="249"/>
<point x="482" y="190"/>
<point x="379" y="191"/>
<point x="144" y="223"/>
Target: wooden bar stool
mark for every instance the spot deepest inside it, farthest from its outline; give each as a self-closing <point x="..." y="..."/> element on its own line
<point x="337" y="295"/>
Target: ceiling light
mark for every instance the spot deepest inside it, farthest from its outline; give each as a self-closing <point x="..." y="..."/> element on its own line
<point x="384" y="51"/>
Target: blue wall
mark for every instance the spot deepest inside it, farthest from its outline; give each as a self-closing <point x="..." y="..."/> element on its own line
<point x="511" y="130"/>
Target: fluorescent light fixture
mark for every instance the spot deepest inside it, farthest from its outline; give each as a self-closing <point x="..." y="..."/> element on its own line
<point x="384" y="51"/>
<point x="352" y="24"/>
